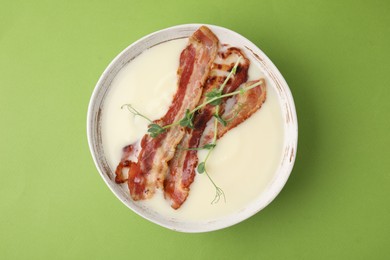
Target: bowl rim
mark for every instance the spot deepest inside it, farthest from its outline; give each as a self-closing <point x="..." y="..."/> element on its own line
<point x="291" y="133"/>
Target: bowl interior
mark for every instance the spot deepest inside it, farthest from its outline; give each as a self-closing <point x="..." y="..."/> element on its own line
<point x="95" y="111"/>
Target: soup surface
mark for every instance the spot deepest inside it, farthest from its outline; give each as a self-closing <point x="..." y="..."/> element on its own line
<point x="244" y="160"/>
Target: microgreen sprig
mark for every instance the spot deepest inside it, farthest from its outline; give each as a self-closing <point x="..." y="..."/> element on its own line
<point x="202" y="166"/>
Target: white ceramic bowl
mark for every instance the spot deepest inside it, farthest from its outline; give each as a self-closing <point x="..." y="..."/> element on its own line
<point x="286" y="103"/>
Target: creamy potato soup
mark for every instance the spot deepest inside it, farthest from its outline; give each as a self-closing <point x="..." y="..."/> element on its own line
<point x="244" y="160"/>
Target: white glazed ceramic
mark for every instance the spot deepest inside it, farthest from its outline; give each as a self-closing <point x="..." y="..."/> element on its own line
<point x="95" y="111"/>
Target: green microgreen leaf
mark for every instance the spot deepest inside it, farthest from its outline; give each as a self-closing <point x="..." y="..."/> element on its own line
<point x="187" y="121"/>
<point x="209" y="146"/>
<point x="155" y="130"/>
<point x="220" y="119"/>
<point x="214" y="94"/>
<point x="201" y="167"/>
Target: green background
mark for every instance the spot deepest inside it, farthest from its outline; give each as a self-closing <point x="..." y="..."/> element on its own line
<point x="335" y="56"/>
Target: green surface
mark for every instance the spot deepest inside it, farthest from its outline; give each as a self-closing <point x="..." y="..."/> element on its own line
<point x="335" y="56"/>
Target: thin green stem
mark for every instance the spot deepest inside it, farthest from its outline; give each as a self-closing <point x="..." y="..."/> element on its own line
<point x="215" y="135"/>
<point x="231" y="73"/>
<point x="215" y="125"/>
<point x="227" y="95"/>
<point x="205" y="147"/>
<point x="135" y="112"/>
<point x="171" y="125"/>
<point x="218" y="191"/>
<point x="235" y="114"/>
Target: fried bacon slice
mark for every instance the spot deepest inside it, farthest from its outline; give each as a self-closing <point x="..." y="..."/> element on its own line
<point x="148" y="173"/>
<point x="182" y="166"/>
